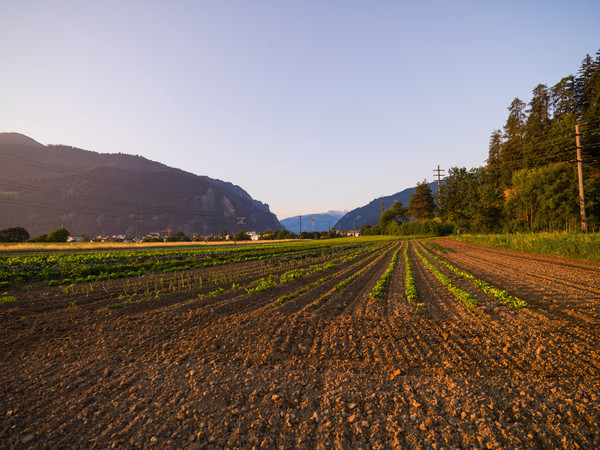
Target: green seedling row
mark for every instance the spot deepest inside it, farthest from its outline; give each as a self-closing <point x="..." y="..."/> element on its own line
<point x="467" y="299"/>
<point x="342" y="284"/>
<point x="67" y="268"/>
<point x="498" y="294"/>
<point x="318" y="269"/>
<point x="379" y="288"/>
<point x="410" y="288"/>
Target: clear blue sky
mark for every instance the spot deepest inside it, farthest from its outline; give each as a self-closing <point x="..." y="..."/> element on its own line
<point x="307" y="105"/>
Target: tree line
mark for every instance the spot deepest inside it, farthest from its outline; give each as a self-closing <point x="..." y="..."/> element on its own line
<point x="20" y="234"/>
<point x="530" y="180"/>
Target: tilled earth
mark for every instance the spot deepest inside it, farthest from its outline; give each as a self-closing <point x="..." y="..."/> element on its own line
<point x="234" y="372"/>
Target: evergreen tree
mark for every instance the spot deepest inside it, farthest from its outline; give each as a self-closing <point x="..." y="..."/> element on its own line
<point x="563" y="98"/>
<point x="394" y="215"/>
<point x="421" y="205"/>
<point x="536" y="128"/>
<point x="513" y="152"/>
<point x="583" y="86"/>
<point x="515" y="124"/>
<point x="493" y="161"/>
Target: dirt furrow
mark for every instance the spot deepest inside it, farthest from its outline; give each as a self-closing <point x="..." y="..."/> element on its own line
<point x="553" y="300"/>
<point x="172" y="374"/>
<point x="439" y="303"/>
<point x="552" y="271"/>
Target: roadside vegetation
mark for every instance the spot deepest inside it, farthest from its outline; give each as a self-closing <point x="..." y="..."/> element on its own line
<point x="572" y="245"/>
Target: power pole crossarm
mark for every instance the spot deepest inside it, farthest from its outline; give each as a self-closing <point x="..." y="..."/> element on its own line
<point x="313" y="222"/>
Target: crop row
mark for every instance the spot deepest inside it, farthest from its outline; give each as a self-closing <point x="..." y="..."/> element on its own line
<point x="67" y="268"/>
<point x="497" y="293"/>
<point x="238" y="280"/>
<point x="379" y="289"/>
<point x="342" y="284"/>
<point x="269" y="282"/>
<point x="320" y="281"/>
<point x="466" y="298"/>
<point x="410" y="289"/>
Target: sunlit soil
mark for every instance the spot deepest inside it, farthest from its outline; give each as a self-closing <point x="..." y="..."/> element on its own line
<point x="227" y="366"/>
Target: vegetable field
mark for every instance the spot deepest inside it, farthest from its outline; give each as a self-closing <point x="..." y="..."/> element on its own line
<point x="346" y="344"/>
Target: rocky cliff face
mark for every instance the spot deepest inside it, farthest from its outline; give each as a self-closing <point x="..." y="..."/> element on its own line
<point x="47" y="187"/>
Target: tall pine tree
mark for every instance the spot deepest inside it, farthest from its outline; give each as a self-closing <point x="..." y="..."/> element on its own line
<point x="421" y="205"/>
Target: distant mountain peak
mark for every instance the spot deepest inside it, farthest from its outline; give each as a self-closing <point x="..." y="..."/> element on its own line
<point x="18" y="139"/>
<point x="56" y="186"/>
<point x="325" y="221"/>
<point x="369" y="214"/>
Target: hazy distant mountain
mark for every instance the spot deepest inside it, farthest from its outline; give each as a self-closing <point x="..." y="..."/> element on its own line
<point x="369" y="214"/>
<point x="47" y="187"/>
<point x="324" y="223"/>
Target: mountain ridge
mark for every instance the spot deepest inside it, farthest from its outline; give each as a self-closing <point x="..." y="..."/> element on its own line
<point x="369" y="214"/>
<point x="47" y="187"/>
<point x="324" y="222"/>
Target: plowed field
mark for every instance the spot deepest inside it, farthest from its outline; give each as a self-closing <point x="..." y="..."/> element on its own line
<point x="312" y="361"/>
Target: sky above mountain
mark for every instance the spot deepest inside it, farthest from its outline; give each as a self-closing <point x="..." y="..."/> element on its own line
<point x="307" y="105"/>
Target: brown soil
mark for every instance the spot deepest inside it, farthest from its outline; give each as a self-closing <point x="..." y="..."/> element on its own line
<point x="234" y="372"/>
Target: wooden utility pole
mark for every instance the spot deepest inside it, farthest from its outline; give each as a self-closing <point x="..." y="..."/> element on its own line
<point x="439" y="184"/>
<point x="137" y="225"/>
<point x="438" y="170"/>
<point x="300" y="225"/>
<point x="234" y="223"/>
<point x="382" y="205"/>
<point x="580" y="172"/>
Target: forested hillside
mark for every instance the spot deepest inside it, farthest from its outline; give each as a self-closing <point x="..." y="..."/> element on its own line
<point x="43" y="188"/>
<point x="530" y="181"/>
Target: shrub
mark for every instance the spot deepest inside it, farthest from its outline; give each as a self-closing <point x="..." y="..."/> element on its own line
<point x="7" y="299"/>
<point x="58" y="235"/>
<point x="14" y="234"/>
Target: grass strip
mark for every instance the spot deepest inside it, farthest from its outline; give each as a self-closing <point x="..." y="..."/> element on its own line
<point x="572" y="245"/>
<point x="498" y="294"/>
